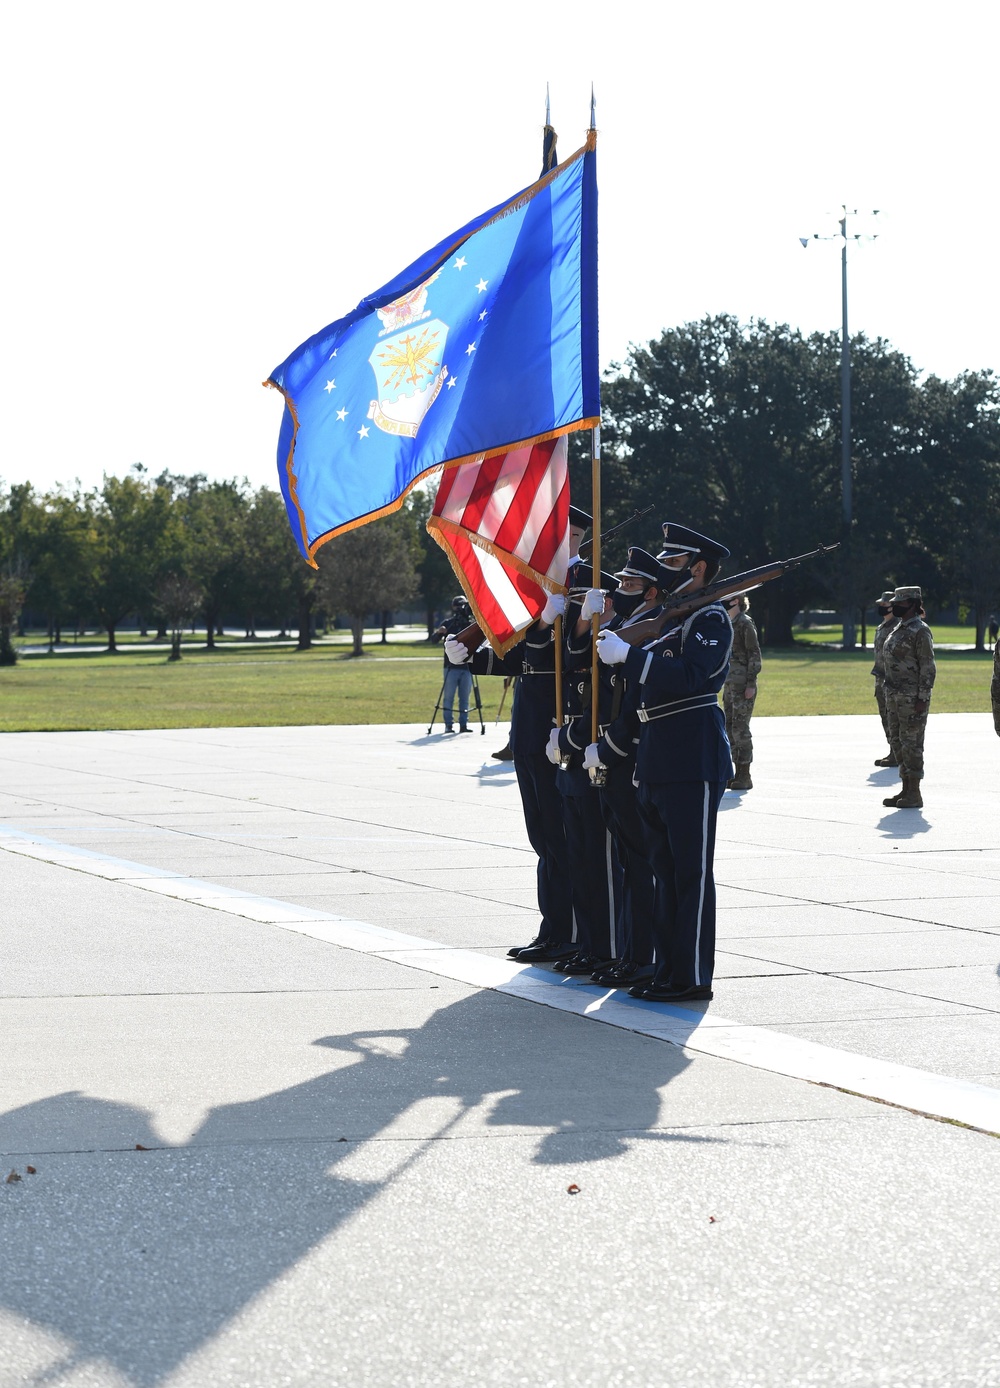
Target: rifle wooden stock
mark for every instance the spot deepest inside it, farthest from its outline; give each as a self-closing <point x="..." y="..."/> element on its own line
<point x="642" y="632"/>
<point x="471" y="637"/>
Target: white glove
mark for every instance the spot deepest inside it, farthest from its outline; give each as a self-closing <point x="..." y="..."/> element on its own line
<point x="590" y="757"/>
<point x="611" y="649"/>
<point x="593" y="604"/>
<point x="555" y="606"/>
<point x="552" y="750"/>
<point x="455" y="652"/>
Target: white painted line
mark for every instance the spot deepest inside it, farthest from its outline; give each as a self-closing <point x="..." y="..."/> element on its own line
<point x="936" y="1095"/>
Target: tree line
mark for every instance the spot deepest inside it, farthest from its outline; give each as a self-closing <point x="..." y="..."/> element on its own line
<point x="733" y="428"/>
<point x="166" y="550"/>
<point x="736" y="429"/>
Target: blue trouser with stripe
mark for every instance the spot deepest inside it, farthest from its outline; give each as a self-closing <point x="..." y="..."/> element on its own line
<point x="679" y="819"/>
<point x="594" y="872"/>
<point x="543" y="820"/>
<point x="621" y="815"/>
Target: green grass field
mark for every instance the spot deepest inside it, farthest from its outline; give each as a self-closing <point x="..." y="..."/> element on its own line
<point x="397" y="683"/>
<point x="831" y="635"/>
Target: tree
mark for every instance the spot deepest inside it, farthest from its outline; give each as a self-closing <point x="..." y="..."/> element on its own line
<point x="368" y="570"/>
<point x="737" y="428"/>
<point x="13" y="586"/>
<point x="216" y="518"/>
<point x="729" y="427"/>
<point x="135" y="527"/>
<point x="960" y="439"/>
<point x="437" y="578"/>
<point x="61" y="541"/>
<point x="178" y="597"/>
<point x="14" y="565"/>
<point x="269" y="557"/>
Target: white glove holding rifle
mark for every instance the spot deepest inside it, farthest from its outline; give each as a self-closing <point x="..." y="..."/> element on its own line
<point x="552" y="750"/>
<point x="593" y="604"/>
<point x="611" y="649"/>
<point x="455" y="652"/>
<point x="590" y="757"/>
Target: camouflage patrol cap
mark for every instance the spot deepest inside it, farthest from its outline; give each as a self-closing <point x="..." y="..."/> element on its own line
<point x="885" y="599"/>
<point x="912" y="594"/>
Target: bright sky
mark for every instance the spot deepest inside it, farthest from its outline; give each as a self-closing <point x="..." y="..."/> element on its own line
<point x="194" y="188"/>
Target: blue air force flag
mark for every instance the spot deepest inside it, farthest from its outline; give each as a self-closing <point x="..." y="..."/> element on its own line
<point x="485" y="344"/>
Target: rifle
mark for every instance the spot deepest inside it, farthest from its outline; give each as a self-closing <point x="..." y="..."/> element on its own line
<point x="473" y="636"/>
<point x="642" y="632"/>
<point x="636" y="515"/>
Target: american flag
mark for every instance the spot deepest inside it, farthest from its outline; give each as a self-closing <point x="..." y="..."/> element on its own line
<point x="503" y="521"/>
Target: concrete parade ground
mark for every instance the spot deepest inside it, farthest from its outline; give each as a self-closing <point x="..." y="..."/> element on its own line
<point x="294" y="1118"/>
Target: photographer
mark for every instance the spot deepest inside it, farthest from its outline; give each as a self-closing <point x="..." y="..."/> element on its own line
<point x="456" y="677"/>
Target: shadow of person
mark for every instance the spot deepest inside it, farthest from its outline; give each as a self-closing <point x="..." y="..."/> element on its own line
<point x="136" y="1259"/>
<point x="903" y="824"/>
<point x="884" y="776"/>
<point x="501" y="772"/>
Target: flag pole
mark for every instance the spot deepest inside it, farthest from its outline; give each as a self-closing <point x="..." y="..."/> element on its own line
<point x="549" y="161"/>
<point x="595" y="553"/>
<point x="595" y="561"/>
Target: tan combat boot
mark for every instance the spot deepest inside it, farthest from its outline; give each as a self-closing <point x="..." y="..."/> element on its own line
<point x="911" y="799"/>
<point x="741" y="781"/>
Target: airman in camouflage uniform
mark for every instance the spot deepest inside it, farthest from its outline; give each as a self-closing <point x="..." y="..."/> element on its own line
<point x="995" y="688"/>
<point x="908" y="655"/>
<point x="739" y="693"/>
<point x="884" y="608"/>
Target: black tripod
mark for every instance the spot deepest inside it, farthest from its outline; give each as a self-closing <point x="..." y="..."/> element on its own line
<point x="475" y="695"/>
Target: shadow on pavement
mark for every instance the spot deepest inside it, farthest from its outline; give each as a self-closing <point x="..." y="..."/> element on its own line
<point x="136" y="1259"/>
<point x="494" y="770"/>
<point x="903" y="824"/>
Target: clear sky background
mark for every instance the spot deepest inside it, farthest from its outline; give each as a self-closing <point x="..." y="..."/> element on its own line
<point x="193" y="189"/>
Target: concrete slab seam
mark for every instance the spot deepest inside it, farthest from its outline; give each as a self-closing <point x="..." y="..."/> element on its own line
<point x="918" y="1091"/>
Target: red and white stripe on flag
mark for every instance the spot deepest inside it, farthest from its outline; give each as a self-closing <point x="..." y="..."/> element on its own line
<point x="504" y="524"/>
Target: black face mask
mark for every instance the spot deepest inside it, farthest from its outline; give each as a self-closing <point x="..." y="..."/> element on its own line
<point x="679" y="579"/>
<point x="626" y="603"/>
<point x="901" y="609"/>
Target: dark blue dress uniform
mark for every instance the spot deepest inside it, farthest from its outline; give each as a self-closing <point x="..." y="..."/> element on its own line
<point x="617" y="745"/>
<point x="595" y="869"/>
<point x="532" y="719"/>
<point x="682" y="766"/>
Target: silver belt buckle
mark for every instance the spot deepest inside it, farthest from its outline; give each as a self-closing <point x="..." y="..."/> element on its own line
<point x="643" y="716"/>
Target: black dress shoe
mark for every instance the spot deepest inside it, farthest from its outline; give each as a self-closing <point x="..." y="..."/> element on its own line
<point x="544" y="952"/>
<point x="666" y="992"/>
<point x="515" y="951"/>
<point x="623" y="975"/>
<point x="583" y="964"/>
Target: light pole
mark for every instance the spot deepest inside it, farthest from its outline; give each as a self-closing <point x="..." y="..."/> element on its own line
<point x="846" y="478"/>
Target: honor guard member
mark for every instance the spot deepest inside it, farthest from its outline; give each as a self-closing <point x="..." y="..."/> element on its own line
<point x="594" y="867"/>
<point x="884" y="609"/>
<point x="637" y="598"/>
<point x="532" y="719"/>
<point x="908" y="655"/>
<point x="739" y="693"/>
<point x="682" y="766"/>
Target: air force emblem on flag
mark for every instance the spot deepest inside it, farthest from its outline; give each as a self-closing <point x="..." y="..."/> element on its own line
<point x="409" y="366"/>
